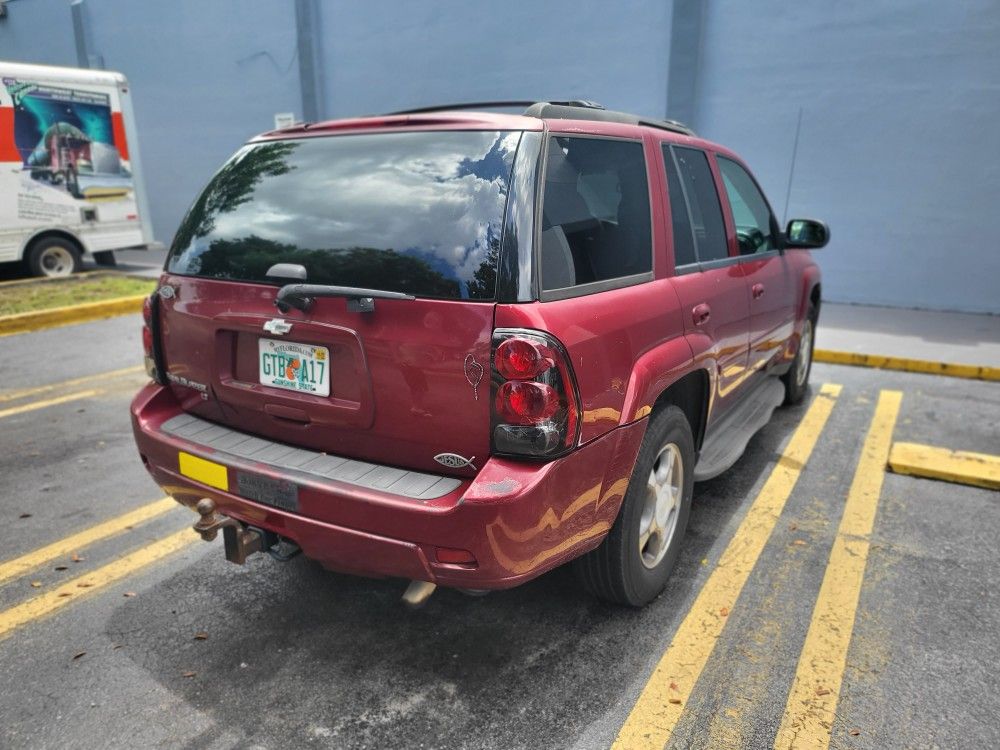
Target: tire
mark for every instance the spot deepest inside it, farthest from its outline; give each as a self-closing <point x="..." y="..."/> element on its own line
<point x="624" y="569"/>
<point x="53" y="257"/>
<point x="796" y="380"/>
<point x="73" y="184"/>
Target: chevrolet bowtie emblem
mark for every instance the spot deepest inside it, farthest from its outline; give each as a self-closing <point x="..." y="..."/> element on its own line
<point x="277" y="326"/>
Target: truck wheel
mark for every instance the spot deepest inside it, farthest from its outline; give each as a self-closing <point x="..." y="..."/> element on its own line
<point x="796" y="380"/>
<point x="635" y="560"/>
<point x="54" y="257"/>
<point x="73" y="184"/>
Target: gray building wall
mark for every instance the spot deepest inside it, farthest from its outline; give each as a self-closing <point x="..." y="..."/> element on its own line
<point x="898" y="149"/>
<point x="205" y="76"/>
<point x="383" y="55"/>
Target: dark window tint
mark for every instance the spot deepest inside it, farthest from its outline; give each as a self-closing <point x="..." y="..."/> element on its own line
<point x="703" y="198"/>
<point x="410" y="212"/>
<point x="679" y="218"/>
<point x="751" y="214"/>
<point x="595" y="212"/>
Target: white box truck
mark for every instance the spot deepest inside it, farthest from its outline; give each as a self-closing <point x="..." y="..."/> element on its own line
<point x="70" y="177"/>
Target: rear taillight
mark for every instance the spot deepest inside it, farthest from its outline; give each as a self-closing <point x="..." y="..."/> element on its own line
<point x="150" y="333"/>
<point x="147" y="333"/>
<point x="535" y="406"/>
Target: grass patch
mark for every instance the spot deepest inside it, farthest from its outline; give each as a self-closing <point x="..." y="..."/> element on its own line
<point x="45" y="295"/>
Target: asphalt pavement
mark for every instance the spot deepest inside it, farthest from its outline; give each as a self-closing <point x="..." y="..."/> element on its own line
<point x="168" y="645"/>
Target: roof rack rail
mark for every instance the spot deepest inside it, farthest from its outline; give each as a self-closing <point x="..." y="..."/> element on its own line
<point x="592" y="111"/>
<point x="464" y="105"/>
<point x="495" y="105"/>
<point x="571" y="109"/>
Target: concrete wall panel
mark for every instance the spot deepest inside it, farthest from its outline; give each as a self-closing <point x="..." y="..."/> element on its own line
<point x="899" y="147"/>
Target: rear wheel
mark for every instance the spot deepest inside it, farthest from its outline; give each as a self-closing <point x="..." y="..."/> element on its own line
<point x="796" y="380"/>
<point x="633" y="563"/>
<point x="54" y="257"/>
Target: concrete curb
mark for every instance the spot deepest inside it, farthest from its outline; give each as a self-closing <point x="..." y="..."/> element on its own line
<point x="972" y="372"/>
<point x="959" y="467"/>
<point x="62" y="316"/>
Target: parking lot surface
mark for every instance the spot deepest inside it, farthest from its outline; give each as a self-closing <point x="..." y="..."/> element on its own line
<point x="819" y="601"/>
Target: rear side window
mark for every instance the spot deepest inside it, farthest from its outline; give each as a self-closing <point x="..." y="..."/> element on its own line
<point x="680" y="219"/>
<point x="751" y="214"/>
<point x="595" y="212"/>
<point x="420" y="213"/>
<point x="698" y="184"/>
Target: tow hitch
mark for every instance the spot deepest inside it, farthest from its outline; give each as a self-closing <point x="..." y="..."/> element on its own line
<point x="240" y="540"/>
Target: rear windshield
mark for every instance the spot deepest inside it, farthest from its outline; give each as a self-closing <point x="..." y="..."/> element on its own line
<point x="420" y="213"/>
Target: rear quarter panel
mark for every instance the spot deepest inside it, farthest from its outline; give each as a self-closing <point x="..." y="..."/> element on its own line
<point x="624" y="345"/>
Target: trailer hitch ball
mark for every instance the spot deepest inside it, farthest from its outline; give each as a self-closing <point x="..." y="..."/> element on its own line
<point x="210" y="522"/>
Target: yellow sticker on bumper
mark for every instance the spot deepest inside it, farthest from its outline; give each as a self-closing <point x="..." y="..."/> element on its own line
<point x="200" y="470"/>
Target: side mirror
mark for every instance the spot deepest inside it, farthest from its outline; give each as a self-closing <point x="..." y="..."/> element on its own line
<point x="806" y="233"/>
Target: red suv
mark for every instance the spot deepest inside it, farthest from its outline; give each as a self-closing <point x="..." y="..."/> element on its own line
<point x="466" y="348"/>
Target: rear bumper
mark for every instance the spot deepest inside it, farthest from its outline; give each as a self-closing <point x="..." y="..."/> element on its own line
<point x="518" y="519"/>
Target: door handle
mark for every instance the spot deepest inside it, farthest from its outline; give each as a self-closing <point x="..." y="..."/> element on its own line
<point x="757" y="290"/>
<point x="700" y="314"/>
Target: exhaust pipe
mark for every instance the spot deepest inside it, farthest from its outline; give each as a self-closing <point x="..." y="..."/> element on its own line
<point x="417" y="593"/>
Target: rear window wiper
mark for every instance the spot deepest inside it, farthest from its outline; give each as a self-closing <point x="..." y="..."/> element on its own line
<point x="301" y="296"/>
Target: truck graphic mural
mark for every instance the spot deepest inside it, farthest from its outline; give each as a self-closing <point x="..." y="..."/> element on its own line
<point x="68" y="138"/>
<point x="70" y="169"/>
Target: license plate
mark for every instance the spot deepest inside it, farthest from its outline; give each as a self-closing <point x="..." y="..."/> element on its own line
<point x="295" y="367"/>
<point x="279" y="493"/>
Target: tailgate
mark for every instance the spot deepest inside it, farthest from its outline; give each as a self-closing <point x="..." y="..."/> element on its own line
<point x="406" y="381"/>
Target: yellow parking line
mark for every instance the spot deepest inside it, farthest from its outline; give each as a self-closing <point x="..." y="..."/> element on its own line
<point x="907" y="364"/>
<point x="48" y="402"/>
<point x="71" y="591"/>
<point x="661" y="702"/>
<point x="20" y="393"/>
<point x="812" y="701"/>
<point x="75" y="542"/>
<point x="963" y="467"/>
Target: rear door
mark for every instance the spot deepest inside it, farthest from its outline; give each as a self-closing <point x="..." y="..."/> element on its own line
<point x="413" y="212"/>
<point x="767" y="272"/>
<point x="708" y="279"/>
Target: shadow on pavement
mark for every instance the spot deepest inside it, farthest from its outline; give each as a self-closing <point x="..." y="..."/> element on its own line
<point x="296" y="654"/>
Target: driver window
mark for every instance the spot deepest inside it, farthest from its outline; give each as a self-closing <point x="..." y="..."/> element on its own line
<point x="754" y="225"/>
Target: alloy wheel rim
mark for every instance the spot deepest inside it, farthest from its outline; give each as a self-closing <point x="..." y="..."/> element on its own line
<point x="56" y="261"/>
<point x="664" y="490"/>
<point x="805" y="349"/>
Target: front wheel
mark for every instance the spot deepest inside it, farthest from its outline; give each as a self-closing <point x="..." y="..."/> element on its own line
<point x="635" y="560"/>
<point x="796" y="380"/>
<point x="73" y="183"/>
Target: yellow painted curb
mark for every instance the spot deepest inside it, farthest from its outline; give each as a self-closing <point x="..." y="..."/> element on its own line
<point x="961" y="467"/>
<point x="62" y="316"/>
<point x="50" y="279"/>
<point x="973" y="372"/>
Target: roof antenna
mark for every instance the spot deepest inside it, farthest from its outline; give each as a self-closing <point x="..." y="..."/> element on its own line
<point x="791" y="168"/>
